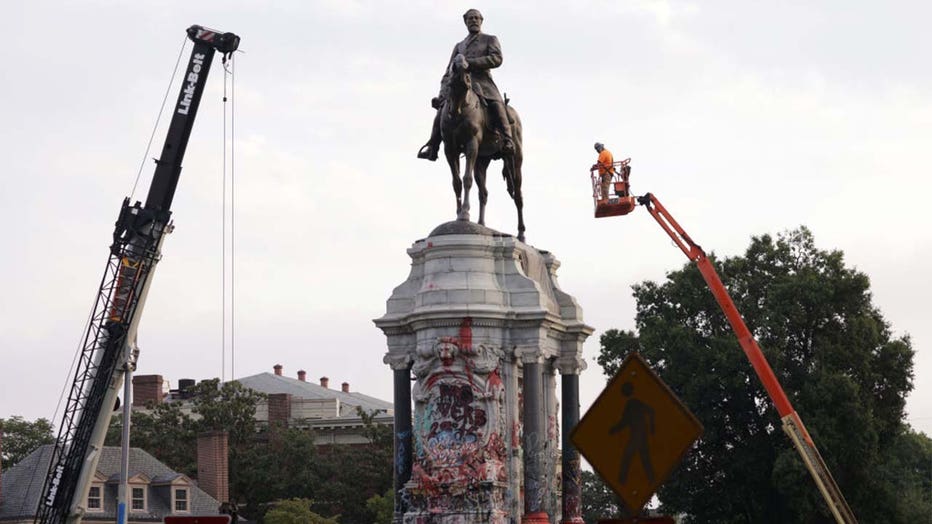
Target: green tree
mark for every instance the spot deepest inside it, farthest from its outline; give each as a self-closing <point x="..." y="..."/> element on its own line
<point x="169" y="432"/>
<point x="268" y="463"/>
<point x="294" y="511"/>
<point x="165" y="431"/>
<point x="598" y="501"/>
<point x="230" y="406"/>
<point x="381" y="507"/>
<point x="21" y="437"/>
<point x="278" y="465"/>
<point x="344" y="490"/>
<point x="845" y="372"/>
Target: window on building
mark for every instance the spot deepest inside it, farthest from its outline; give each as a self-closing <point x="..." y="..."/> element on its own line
<point x="139" y="499"/>
<point x="181" y="500"/>
<point x="95" y="500"/>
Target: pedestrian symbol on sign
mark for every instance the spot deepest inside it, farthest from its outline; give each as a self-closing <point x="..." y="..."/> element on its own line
<point x="639" y="418"/>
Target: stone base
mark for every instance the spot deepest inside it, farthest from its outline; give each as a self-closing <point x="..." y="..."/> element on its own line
<point x="471" y="517"/>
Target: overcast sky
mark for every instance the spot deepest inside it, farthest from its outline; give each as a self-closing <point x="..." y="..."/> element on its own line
<point x="745" y="118"/>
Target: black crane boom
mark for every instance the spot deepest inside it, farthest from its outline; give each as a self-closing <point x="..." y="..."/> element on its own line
<point x="134" y="253"/>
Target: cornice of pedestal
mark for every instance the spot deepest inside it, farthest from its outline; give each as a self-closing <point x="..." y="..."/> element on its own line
<point x="452" y="316"/>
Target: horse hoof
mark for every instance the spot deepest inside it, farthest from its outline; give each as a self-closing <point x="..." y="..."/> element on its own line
<point x="463" y="216"/>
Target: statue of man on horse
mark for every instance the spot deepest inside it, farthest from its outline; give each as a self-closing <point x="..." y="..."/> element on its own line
<point x="474" y="121"/>
<point x="482" y="53"/>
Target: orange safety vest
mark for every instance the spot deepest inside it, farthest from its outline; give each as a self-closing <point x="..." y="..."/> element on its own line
<point x="605" y="162"/>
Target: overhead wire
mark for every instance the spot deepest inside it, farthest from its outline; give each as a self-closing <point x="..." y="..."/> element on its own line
<point x="232" y="215"/>
<point x="228" y="255"/>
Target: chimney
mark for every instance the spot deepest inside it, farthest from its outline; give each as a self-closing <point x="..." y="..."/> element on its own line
<point x="146" y="389"/>
<point x="302" y="375"/>
<point x="345" y="387"/>
<point x="279" y="409"/>
<point x="324" y="381"/>
<point x="184" y="387"/>
<point x="278" y="369"/>
<point x="213" y="473"/>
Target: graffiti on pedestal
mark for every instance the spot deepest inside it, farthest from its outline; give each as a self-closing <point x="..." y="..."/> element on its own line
<point x="459" y="453"/>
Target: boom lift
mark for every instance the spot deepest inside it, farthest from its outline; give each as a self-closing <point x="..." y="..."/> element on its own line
<point x="792" y="424"/>
<point x="109" y="348"/>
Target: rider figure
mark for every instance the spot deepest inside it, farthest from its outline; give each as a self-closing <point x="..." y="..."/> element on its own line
<point x="482" y="52"/>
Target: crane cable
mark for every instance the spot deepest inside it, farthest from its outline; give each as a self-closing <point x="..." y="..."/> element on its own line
<point x="80" y="345"/>
<point x="228" y="152"/>
<point x="158" y="118"/>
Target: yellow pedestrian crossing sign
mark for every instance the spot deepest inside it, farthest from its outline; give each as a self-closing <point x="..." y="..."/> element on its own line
<point x="635" y="433"/>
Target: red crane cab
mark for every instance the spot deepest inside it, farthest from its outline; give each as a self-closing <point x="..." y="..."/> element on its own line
<point x="621" y="203"/>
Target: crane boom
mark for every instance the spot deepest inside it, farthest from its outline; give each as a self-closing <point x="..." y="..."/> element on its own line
<point x="792" y="424"/>
<point x="135" y="251"/>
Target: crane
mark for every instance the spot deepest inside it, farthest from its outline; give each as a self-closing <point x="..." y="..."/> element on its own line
<point x="622" y="204"/>
<point x="109" y="350"/>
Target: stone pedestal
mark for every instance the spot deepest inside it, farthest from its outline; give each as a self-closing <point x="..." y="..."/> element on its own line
<point x="482" y="325"/>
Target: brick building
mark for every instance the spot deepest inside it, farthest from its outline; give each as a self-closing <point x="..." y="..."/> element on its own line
<point x="333" y="414"/>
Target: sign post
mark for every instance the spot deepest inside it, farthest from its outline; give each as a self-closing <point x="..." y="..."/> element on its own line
<point x="636" y="433"/>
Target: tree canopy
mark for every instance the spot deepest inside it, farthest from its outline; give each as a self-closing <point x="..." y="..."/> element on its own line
<point x="21" y="437"/>
<point x="271" y="467"/>
<point x="598" y="501"/>
<point x="295" y="511"/>
<point x="843" y="369"/>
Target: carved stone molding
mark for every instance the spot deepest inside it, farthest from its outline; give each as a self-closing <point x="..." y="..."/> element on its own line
<point x="398" y="361"/>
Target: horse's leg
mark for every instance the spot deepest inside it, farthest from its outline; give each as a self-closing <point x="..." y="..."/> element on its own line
<point x="471" y="152"/>
<point x="508" y="175"/>
<point x="453" y="158"/>
<point x="518" y="198"/>
<point x="482" y="164"/>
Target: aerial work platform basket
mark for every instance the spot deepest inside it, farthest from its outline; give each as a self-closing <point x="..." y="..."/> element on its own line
<point x="617" y="199"/>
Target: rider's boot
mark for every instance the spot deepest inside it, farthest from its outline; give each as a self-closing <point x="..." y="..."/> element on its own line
<point x="508" y="144"/>
<point x="429" y="150"/>
<point x="432" y="147"/>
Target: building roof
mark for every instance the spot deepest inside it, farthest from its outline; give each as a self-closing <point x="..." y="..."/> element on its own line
<point x="22" y="485"/>
<point x="269" y="383"/>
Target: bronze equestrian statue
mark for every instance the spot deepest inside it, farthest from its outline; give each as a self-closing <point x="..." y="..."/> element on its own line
<point x="472" y="119"/>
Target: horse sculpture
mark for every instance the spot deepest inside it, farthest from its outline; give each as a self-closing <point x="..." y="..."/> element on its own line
<point x="465" y="126"/>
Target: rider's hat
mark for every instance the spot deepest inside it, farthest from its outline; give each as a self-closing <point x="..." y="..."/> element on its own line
<point x="599" y="145"/>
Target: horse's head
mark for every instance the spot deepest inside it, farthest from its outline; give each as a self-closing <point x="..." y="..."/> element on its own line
<point x="459" y="74"/>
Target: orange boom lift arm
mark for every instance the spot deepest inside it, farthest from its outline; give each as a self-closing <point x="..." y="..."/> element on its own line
<point x="792" y="424"/>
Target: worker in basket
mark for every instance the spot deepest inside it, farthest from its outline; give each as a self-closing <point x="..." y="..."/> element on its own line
<point x="605" y="165"/>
